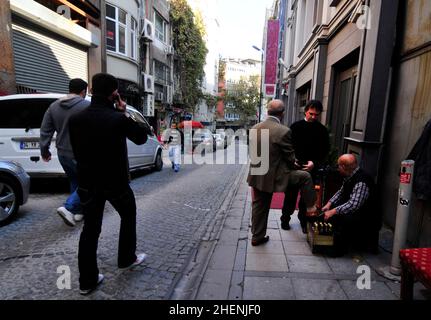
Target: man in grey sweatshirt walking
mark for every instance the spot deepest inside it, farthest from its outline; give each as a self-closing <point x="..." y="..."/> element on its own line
<point x="56" y="119"/>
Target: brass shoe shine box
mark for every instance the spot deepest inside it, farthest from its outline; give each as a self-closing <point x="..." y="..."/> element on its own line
<point x="320" y="234"/>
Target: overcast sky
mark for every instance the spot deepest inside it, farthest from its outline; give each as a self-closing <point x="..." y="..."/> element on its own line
<point x="241" y="26"/>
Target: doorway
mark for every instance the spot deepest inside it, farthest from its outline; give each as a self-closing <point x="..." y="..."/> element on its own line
<point x="342" y="111"/>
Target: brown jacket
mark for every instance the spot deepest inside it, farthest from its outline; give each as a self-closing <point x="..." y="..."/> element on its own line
<point x="281" y="157"/>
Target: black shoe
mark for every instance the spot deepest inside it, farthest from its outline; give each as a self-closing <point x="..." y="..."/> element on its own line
<point x="285" y="226"/>
<point x="304" y="229"/>
<point x="258" y="242"/>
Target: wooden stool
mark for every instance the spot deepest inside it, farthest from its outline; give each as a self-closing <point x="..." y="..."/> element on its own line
<point x="415" y="264"/>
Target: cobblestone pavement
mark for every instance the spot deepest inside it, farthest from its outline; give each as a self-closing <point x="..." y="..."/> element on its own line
<point x="174" y="212"/>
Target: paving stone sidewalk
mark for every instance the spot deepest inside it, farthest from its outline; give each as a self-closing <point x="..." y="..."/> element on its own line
<point x="285" y="268"/>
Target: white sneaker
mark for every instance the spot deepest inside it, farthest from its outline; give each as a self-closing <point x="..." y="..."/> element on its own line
<point x="78" y="217"/>
<point x="67" y="216"/>
<point x="139" y="259"/>
<point x="88" y="291"/>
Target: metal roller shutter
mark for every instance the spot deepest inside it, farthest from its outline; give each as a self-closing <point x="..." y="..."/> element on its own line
<point x="44" y="63"/>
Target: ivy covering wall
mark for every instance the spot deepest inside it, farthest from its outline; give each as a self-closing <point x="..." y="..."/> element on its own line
<point x="188" y="31"/>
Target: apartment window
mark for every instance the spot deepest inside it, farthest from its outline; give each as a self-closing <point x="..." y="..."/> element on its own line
<point x="161" y="72"/>
<point x="318" y="10"/>
<point x="133" y="28"/>
<point x="160" y="26"/>
<point x="121" y="29"/>
<point x="116" y="26"/>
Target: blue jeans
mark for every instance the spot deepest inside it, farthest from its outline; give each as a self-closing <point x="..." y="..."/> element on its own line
<point x="73" y="203"/>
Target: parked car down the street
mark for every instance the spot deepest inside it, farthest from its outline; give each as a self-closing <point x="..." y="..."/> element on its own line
<point x="204" y="139"/>
<point x="20" y="135"/>
<point x="220" y="142"/>
<point x="14" y="189"/>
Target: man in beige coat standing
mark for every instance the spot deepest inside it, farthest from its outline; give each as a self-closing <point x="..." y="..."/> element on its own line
<point x="272" y="169"/>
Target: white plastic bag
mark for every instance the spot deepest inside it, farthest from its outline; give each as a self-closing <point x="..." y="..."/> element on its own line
<point x="175" y="153"/>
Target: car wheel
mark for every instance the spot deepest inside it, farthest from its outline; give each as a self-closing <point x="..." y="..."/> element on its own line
<point x="9" y="199"/>
<point x="158" y="164"/>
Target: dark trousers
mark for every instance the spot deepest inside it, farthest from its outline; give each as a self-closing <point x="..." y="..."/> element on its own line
<point x="306" y="186"/>
<point x="289" y="205"/>
<point x="259" y="214"/>
<point x="93" y="204"/>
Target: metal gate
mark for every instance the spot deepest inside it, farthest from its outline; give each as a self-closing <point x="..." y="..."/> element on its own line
<point x="44" y="62"/>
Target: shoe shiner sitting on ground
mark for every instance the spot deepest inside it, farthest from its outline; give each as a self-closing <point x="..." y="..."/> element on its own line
<point x="353" y="210"/>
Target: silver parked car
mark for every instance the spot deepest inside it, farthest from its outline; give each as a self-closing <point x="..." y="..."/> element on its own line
<point x="14" y="189"/>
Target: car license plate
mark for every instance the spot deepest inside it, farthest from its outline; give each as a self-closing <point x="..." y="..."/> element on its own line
<point x="29" y="145"/>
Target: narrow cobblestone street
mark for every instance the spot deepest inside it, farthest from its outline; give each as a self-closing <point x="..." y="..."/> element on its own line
<point x="174" y="212"/>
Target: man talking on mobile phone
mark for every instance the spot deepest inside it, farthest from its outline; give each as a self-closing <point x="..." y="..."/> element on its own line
<point x="98" y="136"/>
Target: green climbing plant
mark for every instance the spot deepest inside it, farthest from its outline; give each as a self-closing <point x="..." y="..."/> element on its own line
<point x="188" y="32"/>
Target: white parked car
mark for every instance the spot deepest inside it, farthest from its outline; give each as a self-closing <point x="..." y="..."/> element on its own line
<point x="20" y="122"/>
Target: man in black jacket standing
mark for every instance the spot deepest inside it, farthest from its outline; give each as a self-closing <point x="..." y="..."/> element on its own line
<point x="311" y="144"/>
<point x="98" y="136"/>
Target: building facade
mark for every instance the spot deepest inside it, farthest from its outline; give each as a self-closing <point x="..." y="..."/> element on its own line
<point x="235" y="70"/>
<point x="140" y="55"/>
<point x="122" y="48"/>
<point x="367" y="61"/>
<point x="205" y="111"/>
<point x="161" y="62"/>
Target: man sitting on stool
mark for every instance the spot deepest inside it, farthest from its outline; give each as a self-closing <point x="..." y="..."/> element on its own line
<point x="352" y="210"/>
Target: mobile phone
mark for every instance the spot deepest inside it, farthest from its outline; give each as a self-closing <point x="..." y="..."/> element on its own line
<point x="302" y="163"/>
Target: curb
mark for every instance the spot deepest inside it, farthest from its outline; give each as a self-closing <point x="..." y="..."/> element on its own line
<point x="188" y="282"/>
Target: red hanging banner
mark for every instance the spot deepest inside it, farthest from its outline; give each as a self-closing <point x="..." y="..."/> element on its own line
<point x="271" y="57"/>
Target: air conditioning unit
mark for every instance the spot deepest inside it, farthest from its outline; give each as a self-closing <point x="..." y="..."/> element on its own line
<point x="148" y="31"/>
<point x="148" y="105"/>
<point x="147" y="82"/>
<point x="158" y="96"/>
<point x="169" y="50"/>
